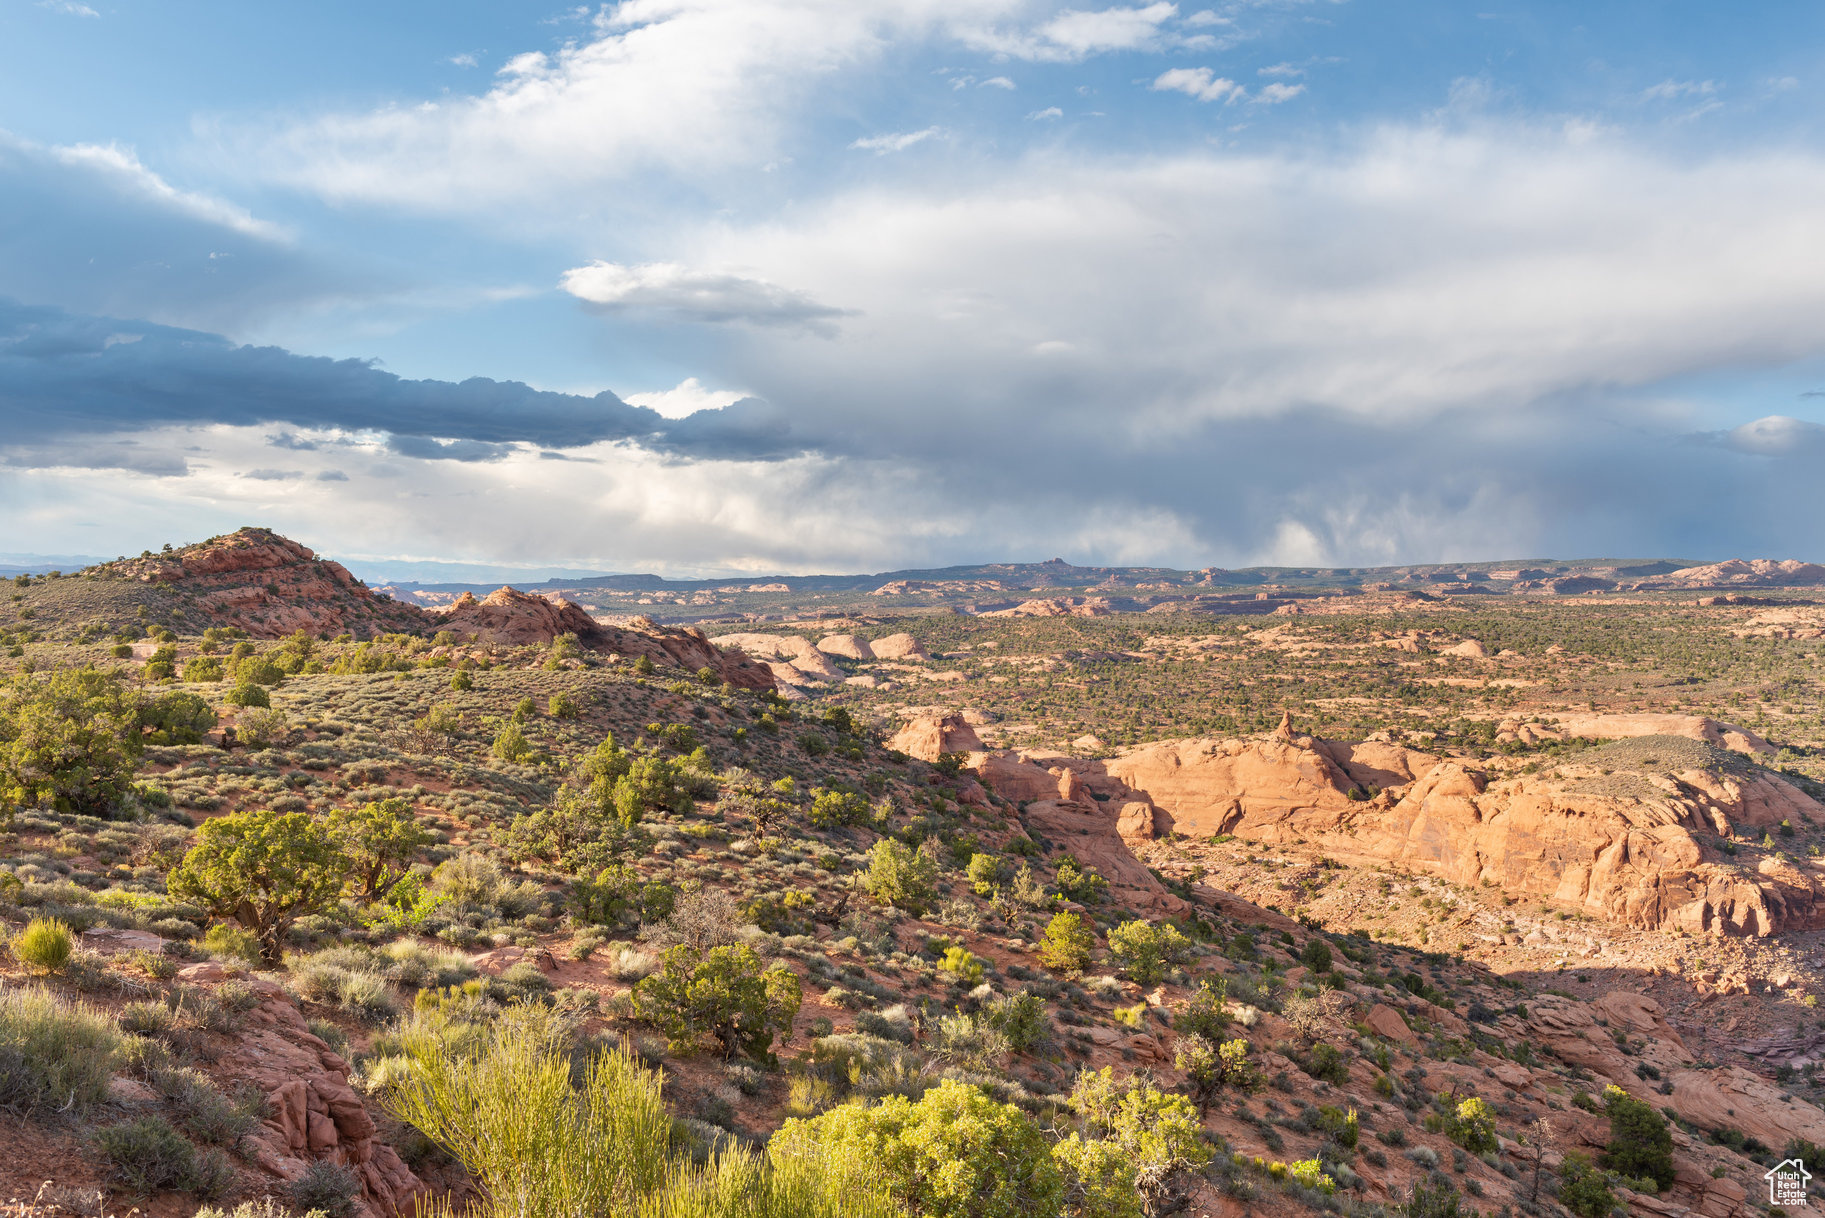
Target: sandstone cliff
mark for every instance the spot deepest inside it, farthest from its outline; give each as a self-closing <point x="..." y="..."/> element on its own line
<point x="1638" y="846"/>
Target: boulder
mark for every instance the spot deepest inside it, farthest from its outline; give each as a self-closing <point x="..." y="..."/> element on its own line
<point x="898" y="647"/>
<point x="930" y="736"/>
<point x="850" y="646"/>
<point x="1389" y="1024"/>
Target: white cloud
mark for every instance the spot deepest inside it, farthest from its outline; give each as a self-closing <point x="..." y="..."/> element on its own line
<point x="1048" y="113"/>
<point x="1080" y="33"/>
<point x="465" y="60"/>
<point x="880" y="145"/>
<point x="1200" y="83"/>
<point x="1280" y="69"/>
<point x="997" y="82"/>
<point x="685" y="399"/>
<point x="1673" y="90"/>
<point x="70" y="7"/>
<point x="1274" y="94"/>
<point x="1074" y="35"/>
<point x="684" y="87"/>
<point x="123" y="167"/>
<point x="1427" y="272"/>
<point x="697" y="295"/>
<point x="1777" y="434"/>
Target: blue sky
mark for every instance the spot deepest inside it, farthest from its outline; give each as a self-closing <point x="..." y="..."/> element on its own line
<point x="818" y="284"/>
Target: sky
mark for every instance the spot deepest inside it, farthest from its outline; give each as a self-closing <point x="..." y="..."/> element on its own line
<point x="706" y="287"/>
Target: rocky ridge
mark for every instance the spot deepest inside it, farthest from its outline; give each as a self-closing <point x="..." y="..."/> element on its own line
<point x="1631" y="836"/>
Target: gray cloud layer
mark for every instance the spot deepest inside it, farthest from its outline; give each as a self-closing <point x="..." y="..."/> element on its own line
<point x="65" y="378"/>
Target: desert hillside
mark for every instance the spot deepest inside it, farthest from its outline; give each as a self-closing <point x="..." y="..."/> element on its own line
<point x="1390" y="906"/>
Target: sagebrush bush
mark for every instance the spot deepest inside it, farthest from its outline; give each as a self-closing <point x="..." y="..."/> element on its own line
<point x="147" y="1155"/>
<point x="325" y="1187"/>
<point x="543" y="1138"/>
<point x="44" y="946"/>
<point x="231" y="941"/>
<point x="53" y="1055"/>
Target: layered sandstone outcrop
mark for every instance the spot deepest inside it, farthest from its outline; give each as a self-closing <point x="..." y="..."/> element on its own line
<point x="511" y="617"/>
<point x="930" y="736"/>
<point x="1635" y="848"/>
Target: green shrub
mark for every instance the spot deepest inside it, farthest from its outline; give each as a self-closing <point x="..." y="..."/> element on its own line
<point x="44" y="946"/>
<point x="1066" y="944"/>
<point x="53" y="1055"/>
<point x="1080" y="884"/>
<point x="69" y="742"/>
<point x="511" y="745"/>
<point x="264" y="869"/>
<point x="1473" y="1126"/>
<point x="541" y="1135"/>
<point x="258" y="670"/>
<point x="234" y="942"/>
<point x="985" y="871"/>
<point x="835" y="809"/>
<point x="955" y="1153"/>
<point x="247" y="695"/>
<point x="378" y="840"/>
<point x="177" y="718"/>
<point x="202" y="668"/>
<point x="1021" y="1018"/>
<point x="1131" y="1131"/>
<point x="1148" y="949"/>
<point x="901" y="876"/>
<point x="147" y="1156"/>
<point x="723" y="994"/>
<point x="1206" y="1012"/>
<point x="1641" y="1145"/>
<point x="1327" y="1062"/>
<point x="1583" y="1189"/>
<point x="962" y="965"/>
<point x="326" y="1187"/>
<point x="259" y="726"/>
<point x="563" y="706"/>
<point x="1316" y="956"/>
<point x="1211" y="1066"/>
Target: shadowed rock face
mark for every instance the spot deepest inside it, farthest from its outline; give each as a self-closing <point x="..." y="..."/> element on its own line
<point x="1631" y="848"/>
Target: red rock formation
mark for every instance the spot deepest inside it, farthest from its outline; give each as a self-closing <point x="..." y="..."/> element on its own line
<point x="930" y="736"/>
<point x="1631" y="853"/>
<point x="514" y="618"/>
<point x="270" y="586"/>
<point x="315" y="1113"/>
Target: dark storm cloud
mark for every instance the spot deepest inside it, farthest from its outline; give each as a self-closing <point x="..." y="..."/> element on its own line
<point x="65" y="376"/>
